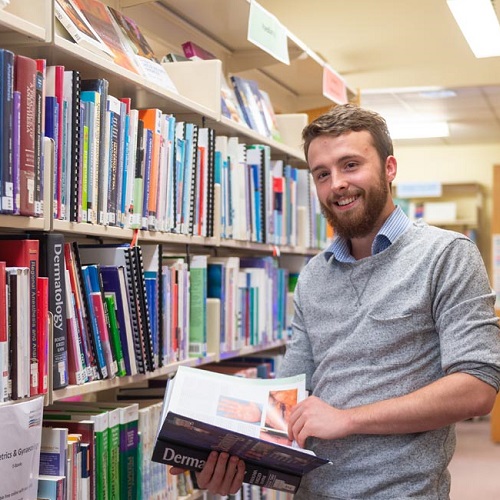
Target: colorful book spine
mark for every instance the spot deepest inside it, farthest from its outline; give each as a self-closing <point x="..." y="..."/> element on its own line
<point x="6" y="103"/>
<point x="25" y="82"/>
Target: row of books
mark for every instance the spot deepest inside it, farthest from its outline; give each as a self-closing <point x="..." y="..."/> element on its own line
<point x="116" y="165"/>
<point x="24" y="324"/>
<point x="101" y="451"/>
<point x="264" y="200"/>
<point x="110" y="33"/>
<point x="121" y="310"/>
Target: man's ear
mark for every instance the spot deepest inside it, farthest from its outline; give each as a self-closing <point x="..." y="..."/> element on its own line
<point x="391" y="168"/>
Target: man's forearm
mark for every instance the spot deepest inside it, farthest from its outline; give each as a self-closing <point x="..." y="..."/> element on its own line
<point x="453" y="398"/>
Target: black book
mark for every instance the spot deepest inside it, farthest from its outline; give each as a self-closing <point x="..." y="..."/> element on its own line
<point x="185" y="441"/>
<point x="76" y="159"/>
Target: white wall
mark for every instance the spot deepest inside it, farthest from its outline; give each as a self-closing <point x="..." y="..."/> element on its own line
<point x="471" y="163"/>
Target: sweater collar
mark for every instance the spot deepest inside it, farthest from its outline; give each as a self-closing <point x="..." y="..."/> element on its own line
<point x="394" y="226"/>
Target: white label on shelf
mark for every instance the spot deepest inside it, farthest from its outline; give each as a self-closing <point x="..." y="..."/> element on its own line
<point x="419" y="189"/>
<point x="267" y="33"/>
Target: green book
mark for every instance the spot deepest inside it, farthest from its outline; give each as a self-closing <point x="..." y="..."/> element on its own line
<point x="198" y="306"/>
<point x="114" y="333"/>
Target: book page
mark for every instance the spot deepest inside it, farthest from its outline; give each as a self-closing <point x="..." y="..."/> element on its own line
<point x="256" y="407"/>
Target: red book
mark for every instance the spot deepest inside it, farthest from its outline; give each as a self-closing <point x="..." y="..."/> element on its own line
<point x="54" y="86"/>
<point x="4" y="343"/>
<point x="42" y="311"/>
<point x="25" y="253"/>
<point x="25" y="75"/>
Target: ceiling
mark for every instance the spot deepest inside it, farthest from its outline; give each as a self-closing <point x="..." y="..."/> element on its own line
<point x="394" y="52"/>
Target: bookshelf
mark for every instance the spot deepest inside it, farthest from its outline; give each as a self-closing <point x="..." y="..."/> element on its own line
<point x="459" y="207"/>
<point x="29" y="29"/>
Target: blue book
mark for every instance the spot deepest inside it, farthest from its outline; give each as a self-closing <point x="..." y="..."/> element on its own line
<point x="89" y="283"/>
<point x="151" y="282"/>
<point x="216" y="288"/>
<point x="52" y="129"/>
<point x="114" y="282"/>
<point x="148" y="152"/>
<point x="6" y="105"/>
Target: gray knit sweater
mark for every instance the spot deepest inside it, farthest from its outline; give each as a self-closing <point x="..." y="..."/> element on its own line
<point x="382" y="327"/>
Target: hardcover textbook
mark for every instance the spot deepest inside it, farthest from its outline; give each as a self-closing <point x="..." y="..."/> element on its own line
<point x="205" y="411"/>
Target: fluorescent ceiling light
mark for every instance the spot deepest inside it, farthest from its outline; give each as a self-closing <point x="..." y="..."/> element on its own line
<point x="479" y="24"/>
<point x="417" y="129"/>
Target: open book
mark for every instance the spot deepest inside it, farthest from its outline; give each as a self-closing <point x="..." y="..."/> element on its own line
<point x="205" y="411"/>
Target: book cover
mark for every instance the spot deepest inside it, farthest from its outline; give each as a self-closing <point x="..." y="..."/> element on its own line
<point x="151" y="118"/>
<point x="121" y="255"/>
<point x="6" y="110"/>
<point x="53" y="451"/>
<point x="87" y="429"/>
<point x="78" y="27"/>
<point x="42" y="312"/>
<point x="16" y="151"/>
<point x="4" y="338"/>
<point x="19" y="334"/>
<point x="243" y="417"/>
<point x="194" y="51"/>
<point x="145" y="59"/>
<point x="54" y="86"/>
<point x="39" y="134"/>
<point x="51" y="258"/>
<point x="25" y="82"/>
<point x="75" y="157"/>
<point x="81" y="310"/>
<point x="25" y="253"/>
<point x="51" y="487"/>
<point x="103" y="24"/>
<point x="198" y="306"/>
<point x="96" y="144"/>
<point x="77" y="362"/>
<point x="115" y="285"/>
<point x="114" y="333"/>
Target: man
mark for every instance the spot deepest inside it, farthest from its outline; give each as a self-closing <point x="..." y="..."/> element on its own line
<point x="394" y="327"/>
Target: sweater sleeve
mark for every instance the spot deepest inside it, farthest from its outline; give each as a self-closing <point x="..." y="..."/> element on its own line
<point x="464" y="314"/>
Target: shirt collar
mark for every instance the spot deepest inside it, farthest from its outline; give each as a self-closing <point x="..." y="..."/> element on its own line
<point x="394" y="226"/>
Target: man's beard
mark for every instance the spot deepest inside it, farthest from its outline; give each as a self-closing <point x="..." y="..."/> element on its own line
<point x="357" y="225"/>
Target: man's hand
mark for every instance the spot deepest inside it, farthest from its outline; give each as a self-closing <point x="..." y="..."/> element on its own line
<point x="221" y="475"/>
<point x="314" y="418"/>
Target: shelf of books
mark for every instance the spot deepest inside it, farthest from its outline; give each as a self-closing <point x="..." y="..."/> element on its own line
<point x="147" y="222"/>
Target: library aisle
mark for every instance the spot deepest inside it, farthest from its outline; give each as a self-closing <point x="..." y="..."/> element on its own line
<point x="476" y="464"/>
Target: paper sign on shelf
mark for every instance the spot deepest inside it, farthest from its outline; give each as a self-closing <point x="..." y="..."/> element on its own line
<point x="20" y="439"/>
<point x="334" y="87"/>
<point x="267" y="33"/>
<point x="419" y="189"/>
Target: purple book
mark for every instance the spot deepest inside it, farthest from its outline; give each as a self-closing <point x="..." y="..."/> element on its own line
<point x="16" y="146"/>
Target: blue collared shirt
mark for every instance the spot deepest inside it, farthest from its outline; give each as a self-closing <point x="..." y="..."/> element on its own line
<point x="394" y="226"/>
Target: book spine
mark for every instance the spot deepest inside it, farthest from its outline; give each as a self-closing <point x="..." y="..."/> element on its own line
<point x="43" y="333"/>
<point x="39" y="117"/>
<point x="7" y="200"/>
<point x="138" y="269"/>
<point x="115" y="335"/>
<point x="134" y="292"/>
<point x="76" y="165"/>
<point x="16" y="150"/>
<point x="25" y="83"/>
<point x="4" y="338"/>
<point x="190" y="458"/>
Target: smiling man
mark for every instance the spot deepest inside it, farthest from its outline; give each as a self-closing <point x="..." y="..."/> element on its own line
<point x="394" y="327"/>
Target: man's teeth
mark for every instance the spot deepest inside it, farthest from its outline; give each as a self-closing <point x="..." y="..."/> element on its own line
<point x="346" y="201"/>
